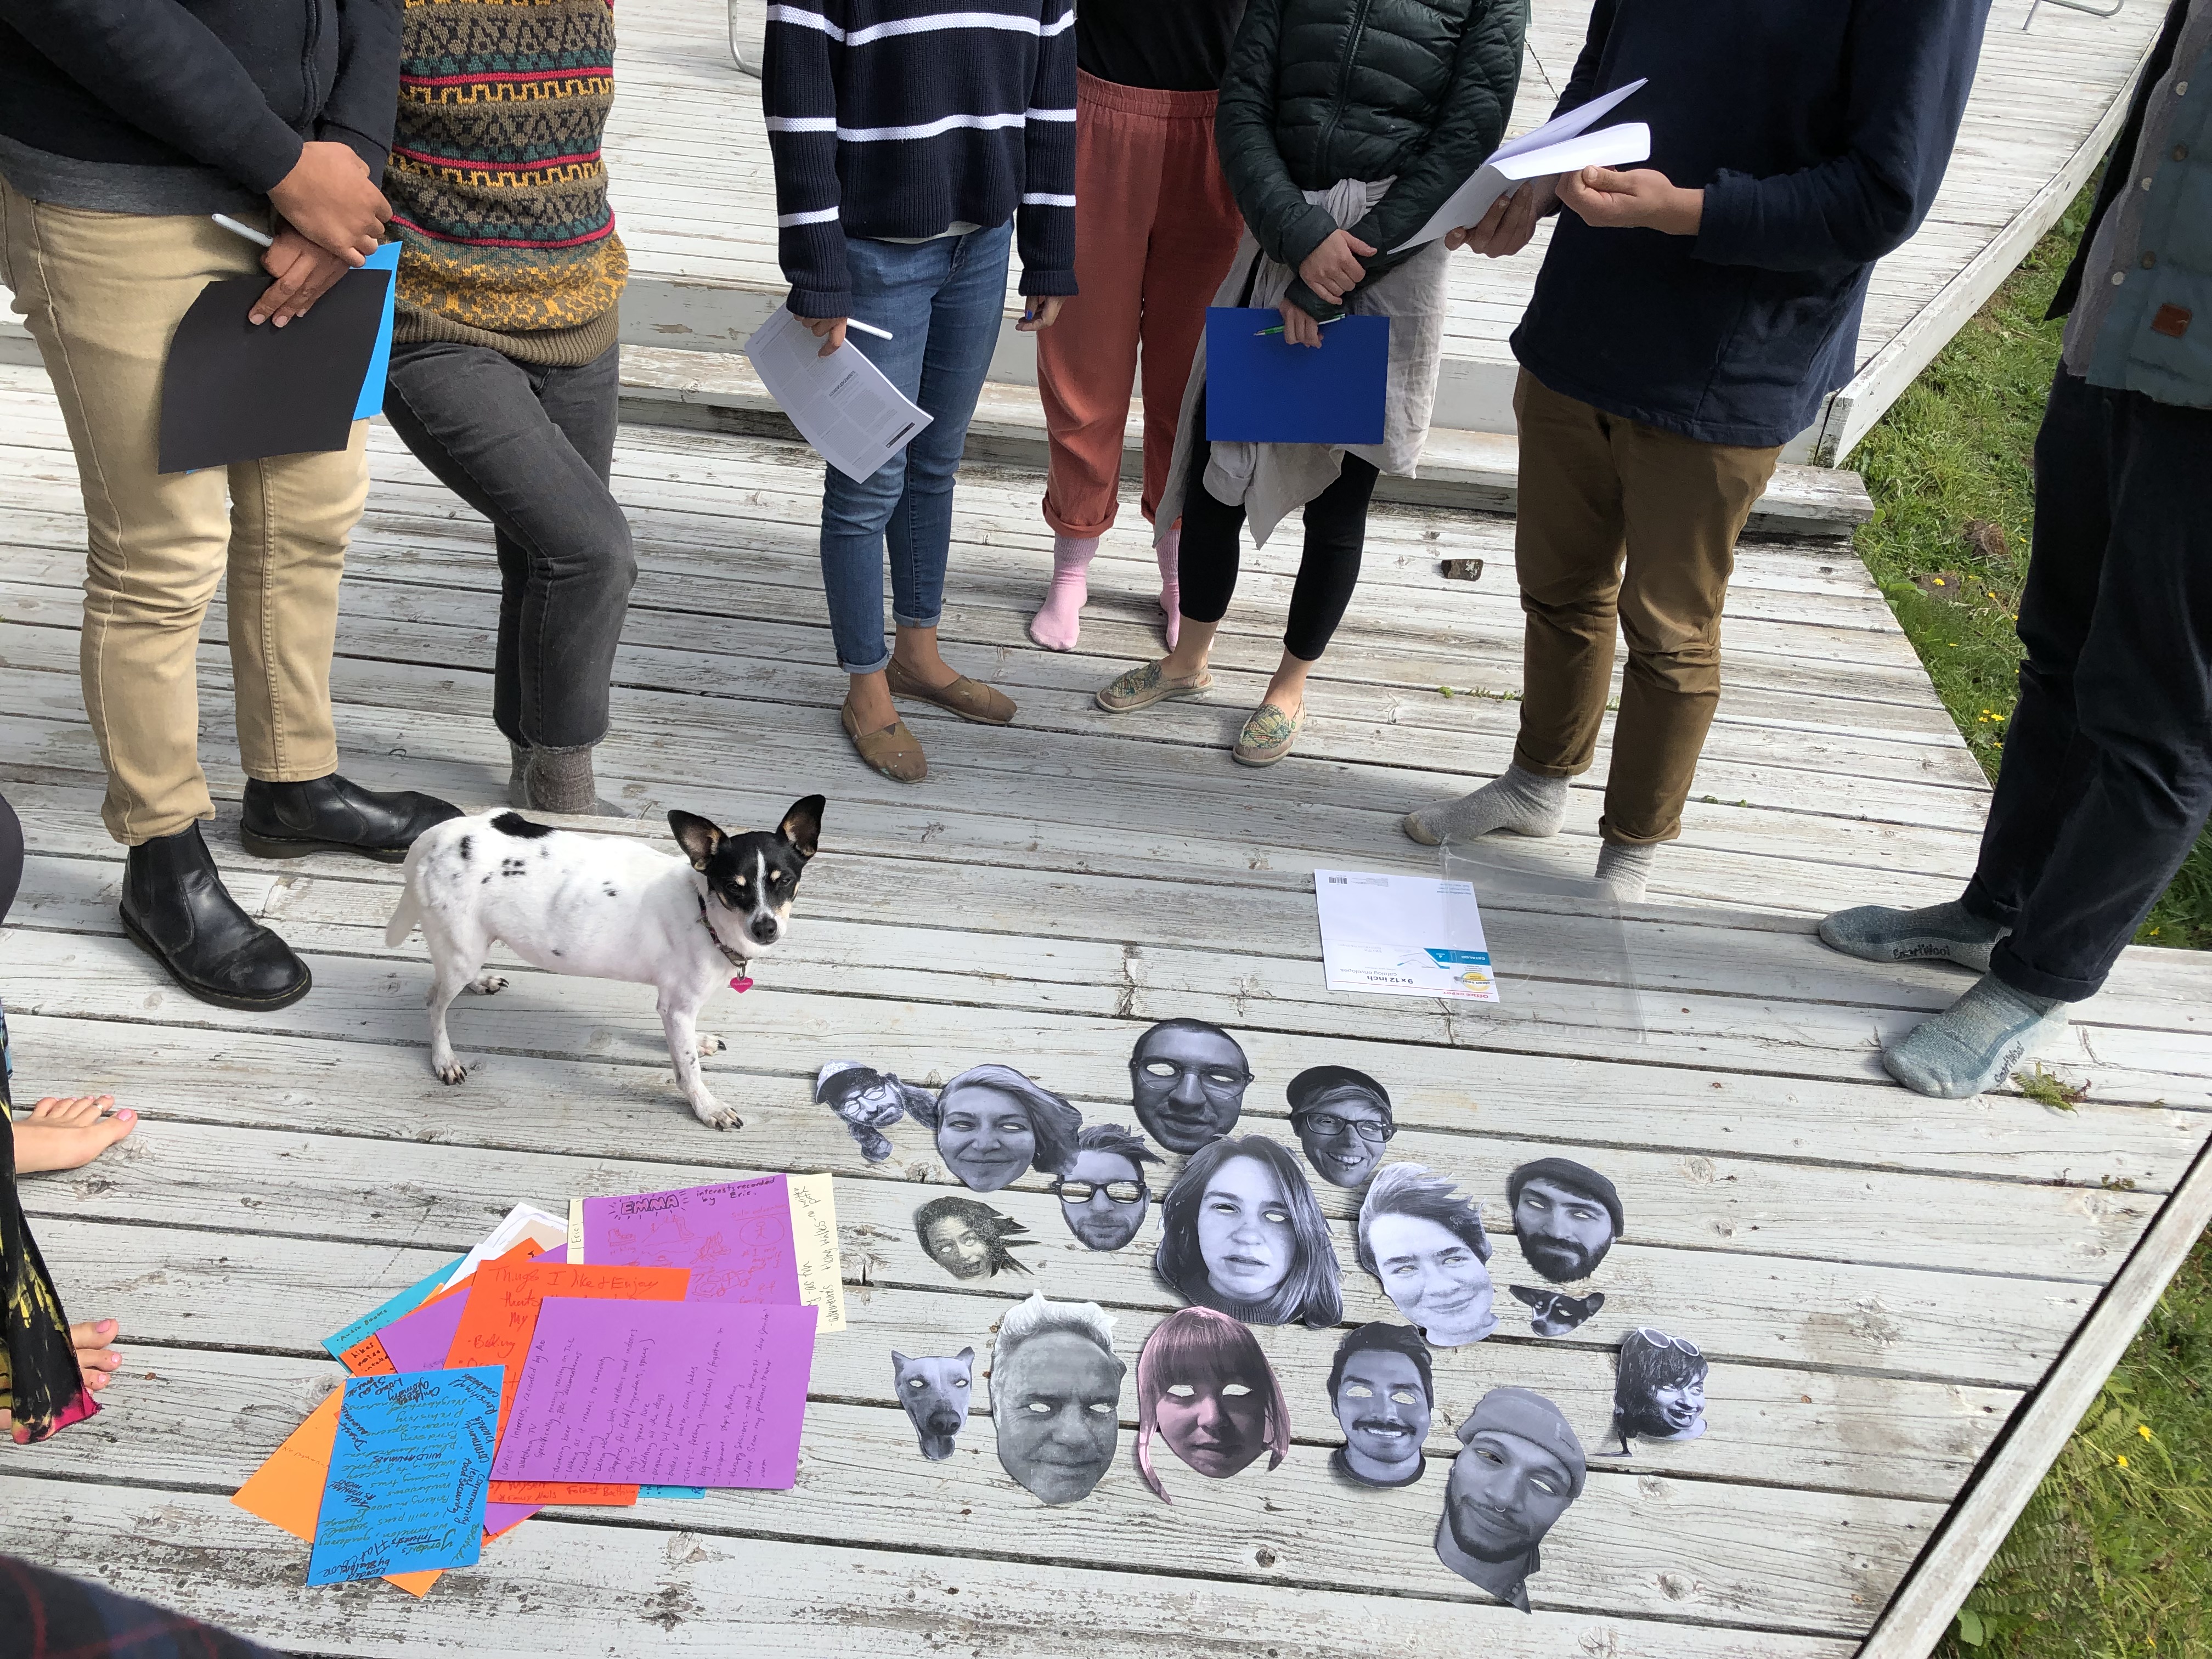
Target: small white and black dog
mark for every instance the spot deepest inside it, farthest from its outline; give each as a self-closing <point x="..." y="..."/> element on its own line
<point x="607" y="908"/>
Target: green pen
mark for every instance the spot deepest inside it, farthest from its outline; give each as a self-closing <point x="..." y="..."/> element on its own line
<point x="1278" y="329"/>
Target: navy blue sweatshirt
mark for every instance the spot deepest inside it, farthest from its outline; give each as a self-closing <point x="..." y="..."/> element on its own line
<point x="902" y="118"/>
<point x="1819" y="130"/>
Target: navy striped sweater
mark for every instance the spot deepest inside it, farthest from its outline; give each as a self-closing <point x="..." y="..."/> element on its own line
<point x="902" y="118"/>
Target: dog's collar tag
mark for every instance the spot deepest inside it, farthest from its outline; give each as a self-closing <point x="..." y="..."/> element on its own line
<point x="744" y="984"/>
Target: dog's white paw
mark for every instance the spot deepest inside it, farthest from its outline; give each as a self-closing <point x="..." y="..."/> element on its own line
<point x="711" y="1044"/>
<point x="489" y="986"/>
<point x="715" y="1115"/>
<point x="453" y="1071"/>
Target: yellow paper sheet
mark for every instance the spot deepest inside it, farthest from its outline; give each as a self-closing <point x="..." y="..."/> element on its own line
<point x="814" y="1243"/>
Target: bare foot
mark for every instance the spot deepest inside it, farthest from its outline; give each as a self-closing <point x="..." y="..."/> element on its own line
<point x="95" y="1359"/>
<point x="63" y="1133"/>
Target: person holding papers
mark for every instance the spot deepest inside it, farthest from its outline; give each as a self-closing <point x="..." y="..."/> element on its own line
<point x="505" y="373"/>
<point x="1689" y="320"/>
<point x="1342" y="129"/>
<point x="2107" y="774"/>
<point x="913" y="141"/>
<point x="1155" y="229"/>
<point x="124" y="124"/>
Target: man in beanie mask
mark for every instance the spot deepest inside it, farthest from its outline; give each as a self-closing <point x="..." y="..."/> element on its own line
<point x="1518" y="1467"/>
<point x="1566" y="1214"/>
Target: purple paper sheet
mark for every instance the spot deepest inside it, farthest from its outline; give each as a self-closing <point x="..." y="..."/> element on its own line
<point x="421" y="1341"/>
<point x="735" y="1238"/>
<point x="661" y="1394"/>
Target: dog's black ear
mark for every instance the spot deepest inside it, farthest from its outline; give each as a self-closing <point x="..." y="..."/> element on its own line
<point x="802" y="825"/>
<point x="697" y="837"/>
<point x="1592" y="1303"/>
<point x="1533" y="1298"/>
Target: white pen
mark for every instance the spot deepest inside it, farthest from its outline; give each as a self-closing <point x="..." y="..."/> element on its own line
<point x="868" y="328"/>
<point x="248" y="231"/>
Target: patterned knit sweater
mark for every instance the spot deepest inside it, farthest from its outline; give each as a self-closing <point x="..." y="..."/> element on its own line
<point x="497" y="188"/>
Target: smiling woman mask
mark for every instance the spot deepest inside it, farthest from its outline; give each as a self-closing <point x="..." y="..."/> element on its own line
<point x="992" y="1123"/>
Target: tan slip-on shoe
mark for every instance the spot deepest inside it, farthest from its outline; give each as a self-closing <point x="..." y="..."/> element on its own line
<point x="1267" y="735"/>
<point x="1148" y="684"/>
<point x="971" y="700"/>
<point x="892" y="751"/>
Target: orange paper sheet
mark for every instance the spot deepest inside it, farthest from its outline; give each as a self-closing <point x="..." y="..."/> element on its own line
<point x="501" y="1317"/>
<point x="287" y="1492"/>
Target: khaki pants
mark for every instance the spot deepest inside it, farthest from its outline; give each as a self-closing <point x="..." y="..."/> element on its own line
<point x="101" y="294"/>
<point x="1598" y="493"/>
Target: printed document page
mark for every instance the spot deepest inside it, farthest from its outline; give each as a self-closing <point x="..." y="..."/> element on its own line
<point x="842" y="403"/>
<point x="1407" y="936"/>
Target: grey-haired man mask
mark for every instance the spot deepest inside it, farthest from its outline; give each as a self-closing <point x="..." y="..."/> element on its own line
<point x="1055" y="1397"/>
<point x="1187" y="1081"/>
<point x="1519" y="1466"/>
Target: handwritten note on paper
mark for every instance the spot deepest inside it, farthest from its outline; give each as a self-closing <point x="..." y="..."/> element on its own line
<point x="408" y="1475"/>
<point x="287" y="1491"/>
<point x="664" y="1394"/>
<point x="814" y="1242"/>
<point x="355" y="1347"/>
<point x="496" y="1330"/>
<point x="524" y="1223"/>
<point x="735" y="1238"/>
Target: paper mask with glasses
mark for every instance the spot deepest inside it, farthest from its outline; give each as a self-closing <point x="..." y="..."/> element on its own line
<point x="1187" y="1079"/>
<point x="1205" y="1387"/>
<point x="1343" y="1119"/>
<point x="1104" y="1197"/>
<point x="1658" y="1389"/>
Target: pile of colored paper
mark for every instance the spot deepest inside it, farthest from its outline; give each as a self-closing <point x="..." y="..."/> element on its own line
<point x="653" y="1346"/>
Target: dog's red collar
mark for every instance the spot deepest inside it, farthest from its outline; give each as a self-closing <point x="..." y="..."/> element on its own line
<point x="735" y="958"/>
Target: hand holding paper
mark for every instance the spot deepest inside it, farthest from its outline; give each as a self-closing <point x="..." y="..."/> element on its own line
<point x="1646" y="198"/>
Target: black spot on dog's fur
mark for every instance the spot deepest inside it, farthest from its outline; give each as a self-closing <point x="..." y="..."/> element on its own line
<point x="612" y="894"/>
<point x="465" y="842"/>
<point x="513" y="823"/>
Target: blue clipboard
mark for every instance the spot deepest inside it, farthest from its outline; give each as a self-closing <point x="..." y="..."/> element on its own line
<point x="1262" y="389"/>
<point x="386" y="258"/>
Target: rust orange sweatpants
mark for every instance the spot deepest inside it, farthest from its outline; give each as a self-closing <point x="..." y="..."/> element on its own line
<point x="1155" y="230"/>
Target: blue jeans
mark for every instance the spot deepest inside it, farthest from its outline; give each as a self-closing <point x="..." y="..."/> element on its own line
<point x="942" y="300"/>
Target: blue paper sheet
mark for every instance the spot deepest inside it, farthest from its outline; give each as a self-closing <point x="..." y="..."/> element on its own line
<point x="380" y="357"/>
<point x="338" y="1342"/>
<point x="408" y="1474"/>
<point x="672" y="1491"/>
<point x="1262" y="389"/>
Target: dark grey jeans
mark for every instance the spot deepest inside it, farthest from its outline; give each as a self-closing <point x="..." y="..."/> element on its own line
<point x="530" y="448"/>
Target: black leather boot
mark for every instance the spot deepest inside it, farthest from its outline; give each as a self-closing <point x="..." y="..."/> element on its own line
<point x="329" y="815"/>
<point x="176" y="906"/>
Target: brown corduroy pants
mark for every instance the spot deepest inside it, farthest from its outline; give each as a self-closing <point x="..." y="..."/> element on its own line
<point x="1628" y="524"/>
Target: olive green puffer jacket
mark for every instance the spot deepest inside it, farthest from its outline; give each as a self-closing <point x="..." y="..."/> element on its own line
<point x="1321" y="90"/>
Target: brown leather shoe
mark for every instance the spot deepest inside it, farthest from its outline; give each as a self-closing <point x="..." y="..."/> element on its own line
<point x="892" y="751"/>
<point x="971" y="700"/>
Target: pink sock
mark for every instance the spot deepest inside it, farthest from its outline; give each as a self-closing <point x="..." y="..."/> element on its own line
<point x="1059" y="621"/>
<point x="1170" y="556"/>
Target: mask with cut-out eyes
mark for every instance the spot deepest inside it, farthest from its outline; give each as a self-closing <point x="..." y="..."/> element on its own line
<point x="1217" y="1426"/>
<point x="1384" y="1412"/>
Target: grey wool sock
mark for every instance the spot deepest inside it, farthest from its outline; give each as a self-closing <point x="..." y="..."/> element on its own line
<point x="1521" y="802"/>
<point x="560" y="781"/>
<point x="1948" y="931"/>
<point x="1626" y="869"/>
<point x="1973" y="1045"/>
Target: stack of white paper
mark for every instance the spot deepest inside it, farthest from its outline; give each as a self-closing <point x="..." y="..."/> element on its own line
<point x="842" y="403"/>
<point x="1560" y="146"/>
<point x="1407" y="936"/>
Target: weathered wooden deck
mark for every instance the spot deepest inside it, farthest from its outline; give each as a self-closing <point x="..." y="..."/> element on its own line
<point x="1880" y="1279"/>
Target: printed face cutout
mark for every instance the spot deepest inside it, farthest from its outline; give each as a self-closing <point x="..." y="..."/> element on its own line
<point x="1104" y="1198"/>
<point x="1055" y="1397"/>
<point x="1519" y="1466"/>
<point x="1566" y="1215"/>
<point x="993" y="1123"/>
<point x="1659" y="1390"/>
<point x="967" y="1239"/>
<point x="869" y="1102"/>
<point x="1383" y="1394"/>
<point x="1204" y="1387"/>
<point x="1187" y="1081"/>
<point x="1241" y="1233"/>
<point x="1425" y="1246"/>
<point x="1343" y="1121"/>
<point x="1554" y="1313"/>
<point x="934" y="1393"/>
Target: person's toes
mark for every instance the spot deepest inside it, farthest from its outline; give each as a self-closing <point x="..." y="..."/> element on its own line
<point x="46" y="1145"/>
<point x="66" y="1113"/>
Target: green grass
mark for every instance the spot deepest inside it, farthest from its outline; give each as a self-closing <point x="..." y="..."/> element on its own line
<point x="2113" y="1556"/>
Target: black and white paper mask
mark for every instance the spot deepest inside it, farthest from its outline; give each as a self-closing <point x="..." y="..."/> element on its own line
<point x="1425" y="1246"/>
<point x="1566" y="1216"/>
<point x="969" y="1239"/>
<point x="1241" y="1233"/>
<point x="935" y="1392"/>
<point x="1104" y="1196"/>
<point x="1204" y="1387"/>
<point x="1383" y="1390"/>
<point x="1187" y="1081"/>
<point x="1056" y="1397"/>
<point x="1519" y="1466"/>
<point x="1658" y="1388"/>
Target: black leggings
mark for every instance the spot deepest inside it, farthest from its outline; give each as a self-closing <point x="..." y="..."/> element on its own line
<point x="1213" y="546"/>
